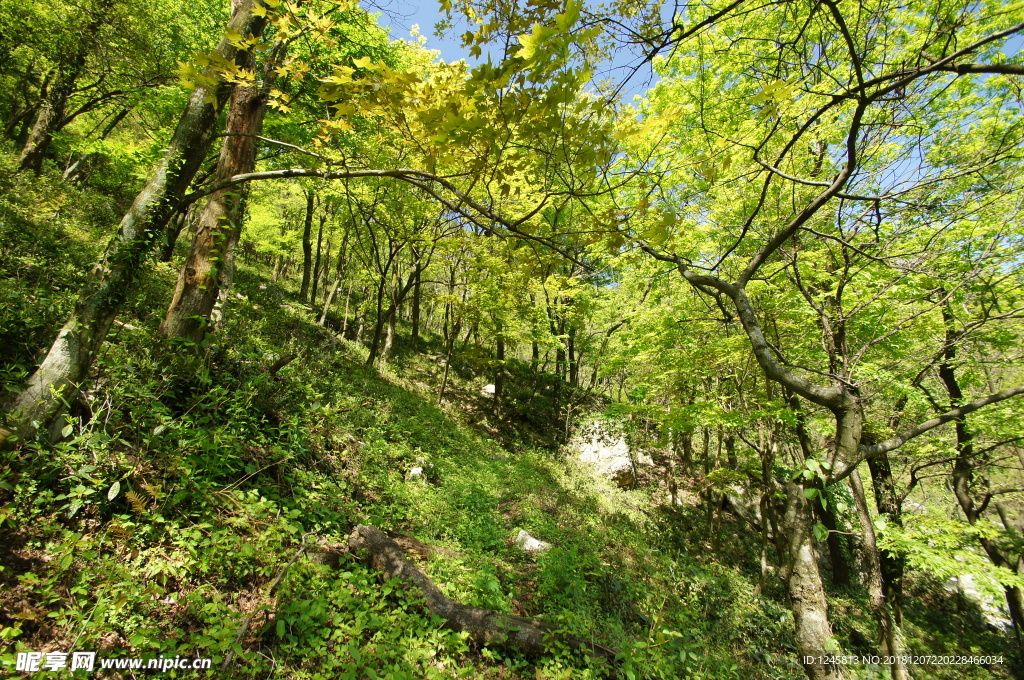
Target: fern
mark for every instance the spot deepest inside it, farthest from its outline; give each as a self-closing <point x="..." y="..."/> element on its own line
<point x="138" y="502"/>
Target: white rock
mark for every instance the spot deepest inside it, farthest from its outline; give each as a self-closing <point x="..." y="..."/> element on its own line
<point x="416" y="473"/>
<point x="993" y="611"/>
<point x="487" y="390"/>
<point x="605" y="450"/>
<point x="528" y="543"/>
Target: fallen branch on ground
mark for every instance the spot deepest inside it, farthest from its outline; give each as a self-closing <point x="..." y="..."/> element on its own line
<point x="485" y="627"/>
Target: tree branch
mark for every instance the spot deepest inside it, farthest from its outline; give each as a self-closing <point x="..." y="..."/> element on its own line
<point x="957" y="413"/>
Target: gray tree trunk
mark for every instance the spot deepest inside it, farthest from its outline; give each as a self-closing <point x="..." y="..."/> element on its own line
<point x="66" y="366"/>
<point x="806" y="594"/>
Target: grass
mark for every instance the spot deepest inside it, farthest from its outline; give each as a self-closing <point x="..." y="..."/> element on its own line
<point x="195" y="476"/>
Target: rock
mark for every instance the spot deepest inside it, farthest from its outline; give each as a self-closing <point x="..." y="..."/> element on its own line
<point x="528" y="543"/>
<point x="993" y="611"/>
<point x="605" y="450"/>
<point x="487" y="390"/>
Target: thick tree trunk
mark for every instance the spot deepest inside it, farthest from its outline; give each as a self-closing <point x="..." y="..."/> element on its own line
<point x="806" y="594"/>
<point x="227" y="278"/>
<point x="66" y="365"/>
<point x="202" y="276"/>
<point x="307" y="246"/>
<point x="485" y="627"/>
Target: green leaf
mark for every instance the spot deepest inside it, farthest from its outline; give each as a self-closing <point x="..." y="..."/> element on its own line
<point x="820" y="532"/>
<point x="280" y="628"/>
<point x="114" y="489"/>
<point x="68" y="429"/>
<point x="810" y="493"/>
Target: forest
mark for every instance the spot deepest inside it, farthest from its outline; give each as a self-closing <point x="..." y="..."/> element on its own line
<point x="635" y="340"/>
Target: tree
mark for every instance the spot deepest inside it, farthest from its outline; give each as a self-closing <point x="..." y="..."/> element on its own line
<point x="66" y="366"/>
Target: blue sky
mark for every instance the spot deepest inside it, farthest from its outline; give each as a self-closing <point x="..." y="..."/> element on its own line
<point x="400" y="15"/>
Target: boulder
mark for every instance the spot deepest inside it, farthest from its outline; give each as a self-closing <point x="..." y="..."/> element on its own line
<point x="606" y="452"/>
<point x="528" y="543"/>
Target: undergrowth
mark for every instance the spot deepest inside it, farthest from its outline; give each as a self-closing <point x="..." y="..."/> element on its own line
<point x="180" y="514"/>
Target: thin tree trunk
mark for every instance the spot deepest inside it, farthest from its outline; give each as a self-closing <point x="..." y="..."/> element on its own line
<point x="836" y="547"/>
<point x="448" y="361"/>
<point x="415" y="340"/>
<point x="170" y="236"/>
<point x="307" y="247"/>
<point x="499" y="369"/>
<point x="50" y="118"/>
<point x="344" y="316"/>
<point x="889" y="637"/>
<point x="328" y="301"/>
<point x="316" y="261"/>
<point x="66" y="366"/>
<point x="963" y="478"/>
<point x="888" y="505"/>
<point x="389" y="339"/>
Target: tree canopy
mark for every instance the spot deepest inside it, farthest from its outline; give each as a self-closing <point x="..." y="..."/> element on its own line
<point x="276" y="258"/>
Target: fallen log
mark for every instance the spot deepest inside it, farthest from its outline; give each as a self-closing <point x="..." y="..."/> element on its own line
<point x="485" y="627"/>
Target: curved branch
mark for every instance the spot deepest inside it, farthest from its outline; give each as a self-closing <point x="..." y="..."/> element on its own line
<point x="903" y="437"/>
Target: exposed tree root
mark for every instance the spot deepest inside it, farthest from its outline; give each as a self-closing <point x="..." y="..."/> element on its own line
<point x="485" y="627"/>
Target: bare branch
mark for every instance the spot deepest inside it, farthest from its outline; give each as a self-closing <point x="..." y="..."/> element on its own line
<point x="957" y="413"/>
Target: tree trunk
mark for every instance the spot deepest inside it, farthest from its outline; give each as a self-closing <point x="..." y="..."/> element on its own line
<point x="170" y="236"/>
<point x="889" y="636"/>
<point x="499" y="369"/>
<point x="202" y="276"/>
<point x="416" y="297"/>
<point x="963" y="476"/>
<point x="315" y="279"/>
<point x="836" y="547"/>
<point x="66" y="365"/>
<point x="307" y="247"/>
<point x="448" y="360"/>
<point x="888" y="505"/>
<point x="806" y="594"/>
<point x="329" y="300"/>
<point x="389" y="339"/>
<point x="574" y="369"/>
<point x="227" y="277"/>
<point x="50" y="118"/>
<point x="344" y="315"/>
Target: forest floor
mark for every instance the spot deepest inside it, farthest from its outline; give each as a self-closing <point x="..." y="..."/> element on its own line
<point x="170" y="520"/>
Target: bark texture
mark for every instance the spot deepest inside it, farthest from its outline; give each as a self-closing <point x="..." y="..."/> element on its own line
<point x="485" y="627"/>
<point x="66" y="366"/>
<point x="207" y="265"/>
<point x="806" y="593"/>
